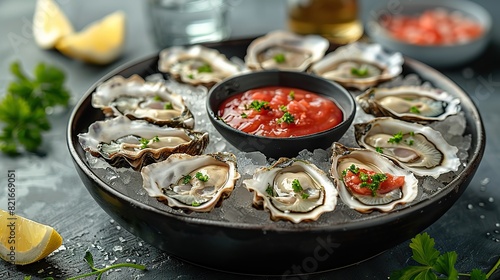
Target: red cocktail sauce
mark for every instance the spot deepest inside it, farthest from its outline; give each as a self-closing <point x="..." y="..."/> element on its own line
<point x="280" y="112"/>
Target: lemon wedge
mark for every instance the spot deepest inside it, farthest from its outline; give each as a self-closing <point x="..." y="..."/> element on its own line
<point x="49" y="24"/>
<point x="100" y="42"/>
<point x="23" y="241"/>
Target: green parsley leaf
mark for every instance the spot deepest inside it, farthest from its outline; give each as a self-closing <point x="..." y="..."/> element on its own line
<point x="360" y="72"/>
<point x="435" y="265"/>
<point x="190" y="76"/>
<point x="423" y="249"/>
<point x="205" y="68"/>
<point x="186" y="179"/>
<point x="156" y="139"/>
<point x="279" y="58"/>
<point x="396" y="138"/>
<point x="305" y="195"/>
<point x="269" y="190"/>
<point x="201" y="177"/>
<point x="296" y="186"/>
<point x="286" y="118"/>
<point x="414" y="110"/>
<point x="244" y="115"/>
<point x="195" y="203"/>
<point x="22" y="110"/>
<point x="157" y="98"/>
<point x="292" y="95"/>
<point x="283" y="108"/>
<point x="259" y="105"/>
<point x="168" y="106"/>
<point x="379" y="150"/>
<point x="144" y="143"/>
<point x="445" y="264"/>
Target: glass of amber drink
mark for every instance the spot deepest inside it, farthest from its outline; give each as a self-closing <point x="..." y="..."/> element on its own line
<point x="336" y="20"/>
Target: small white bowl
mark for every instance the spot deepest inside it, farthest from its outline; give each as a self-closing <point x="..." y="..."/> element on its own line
<point x="440" y="56"/>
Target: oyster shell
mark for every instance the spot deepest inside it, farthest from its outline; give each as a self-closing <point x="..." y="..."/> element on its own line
<point x="124" y="142"/>
<point x="138" y="99"/>
<point x="285" y="51"/>
<point x="419" y="148"/>
<point x="409" y="103"/>
<point x="196" y="183"/>
<point x="359" y="65"/>
<point x="293" y="190"/>
<point x="343" y="157"/>
<point x="196" y="65"/>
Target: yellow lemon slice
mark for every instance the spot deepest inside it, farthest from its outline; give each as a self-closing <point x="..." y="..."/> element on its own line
<point x="101" y="42"/>
<point x="23" y="241"/>
<point x="49" y="24"/>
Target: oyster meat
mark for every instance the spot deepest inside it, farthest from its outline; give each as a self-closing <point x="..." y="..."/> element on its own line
<point x="196" y="65"/>
<point x="123" y="142"/>
<point x="138" y="99"/>
<point x="293" y="190"/>
<point x="344" y="159"/>
<point x="409" y="103"/>
<point x="359" y="65"/>
<point x="285" y="51"/>
<point x="196" y="183"/>
<point x="419" y="148"/>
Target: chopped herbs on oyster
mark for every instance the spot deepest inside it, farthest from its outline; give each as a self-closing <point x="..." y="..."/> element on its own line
<point x="293" y="190"/>
<point x="419" y="148"/>
<point x="368" y="181"/>
<point x="196" y="183"/>
<point x="285" y="51"/>
<point x="359" y="65"/>
<point x="196" y="65"/>
<point x="124" y="142"/>
<point x="409" y="103"/>
<point x="136" y="98"/>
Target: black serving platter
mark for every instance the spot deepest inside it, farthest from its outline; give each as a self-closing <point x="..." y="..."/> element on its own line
<point x="241" y="239"/>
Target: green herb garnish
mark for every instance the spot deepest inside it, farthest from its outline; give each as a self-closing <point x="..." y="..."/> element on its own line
<point x="23" y="108"/>
<point x="201" y="177"/>
<point x="259" y="105"/>
<point x="283" y="108"/>
<point x="168" y="106"/>
<point x="414" y="110"/>
<point x="191" y="76"/>
<point x="205" y="68"/>
<point x="269" y="190"/>
<point x="89" y="259"/>
<point x="186" y="179"/>
<point x="434" y="265"/>
<point x="297" y="188"/>
<point x="244" y="115"/>
<point x="379" y="150"/>
<point x="292" y="95"/>
<point x="279" y="58"/>
<point x="360" y="72"/>
<point x="145" y="142"/>
<point x="157" y="98"/>
<point x="195" y="203"/>
<point x="396" y="138"/>
<point x="286" y="118"/>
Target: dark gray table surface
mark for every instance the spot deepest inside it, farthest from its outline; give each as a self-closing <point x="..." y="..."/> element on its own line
<point x="50" y="191"/>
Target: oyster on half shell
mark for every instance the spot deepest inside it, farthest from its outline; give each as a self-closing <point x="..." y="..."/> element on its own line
<point x="409" y="103"/>
<point x="416" y="147"/>
<point x="359" y="65"/>
<point x="293" y="190"/>
<point x="124" y="142"/>
<point x="285" y="51"/>
<point x="196" y="183"/>
<point x="343" y="158"/>
<point x="196" y="65"/>
<point x="139" y="99"/>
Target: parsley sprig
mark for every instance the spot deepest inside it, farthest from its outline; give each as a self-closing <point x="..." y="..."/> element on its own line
<point x="434" y="265"/>
<point x="258" y="105"/>
<point x="360" y="72"/>
<point x="145" y="142"/>
<point x="23" y="108"/>
<point x="89" y="259"/>
<point x="286" y="118"/>
<point x="297" y="188"/>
